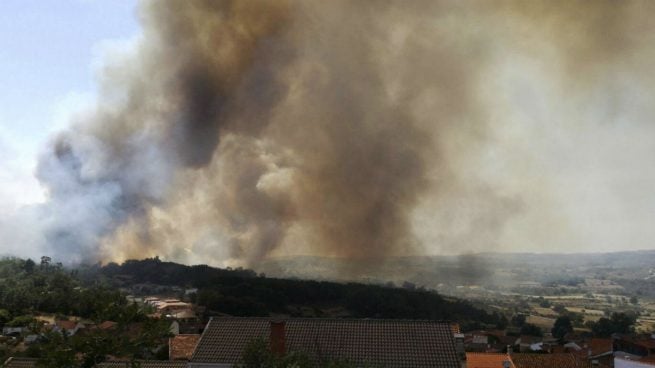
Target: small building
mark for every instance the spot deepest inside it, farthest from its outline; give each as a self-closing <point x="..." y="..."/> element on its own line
<point x="635" y="345"/>
<point x="70" y="328"/>
<point x="172" y="307"/>
<point x="528" y="344"/>
<point x="13" y="331"/>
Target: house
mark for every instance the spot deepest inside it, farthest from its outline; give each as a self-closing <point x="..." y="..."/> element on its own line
<point x="391" y="343"/>
<point x="181" y="347"/>
<point x="68" y="327"/>
<point x="185" y="322"/>
<point x="529" y="343"/>
<point x="635" y="345"/>
<point x="493" y="341"/>
<point x="13" y="331"/>
<point x="151" y="300"/>
<point x="166" y="306"/>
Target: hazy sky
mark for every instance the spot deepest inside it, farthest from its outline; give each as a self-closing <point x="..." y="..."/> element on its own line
<point x="50" y="51"/>
<point x="526" y="126"/>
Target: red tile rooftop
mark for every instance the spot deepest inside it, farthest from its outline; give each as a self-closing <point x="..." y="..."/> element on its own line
<point x="66" y="325"/>
<point x="488" y="360"/>
<point x="389" y="343"/>
<point x="181" y="347"/>
<point x="564" y="360"/>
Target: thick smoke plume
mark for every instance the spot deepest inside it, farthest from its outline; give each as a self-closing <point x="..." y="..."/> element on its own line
<point x="245" y="129"/>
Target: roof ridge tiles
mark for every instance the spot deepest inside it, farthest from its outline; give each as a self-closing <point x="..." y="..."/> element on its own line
<point x="334" y="319"/>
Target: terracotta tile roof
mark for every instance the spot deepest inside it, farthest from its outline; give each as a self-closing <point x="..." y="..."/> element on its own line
<point x="646" y="342"/>
<point x="487" y="360"/>
<point x="599" y="346"/>
<point x="144" y="364"/>
<point x="181" y="347"/>
<point x="31" y="363"/>
<point x="564" y="360"/>
<point x="67" y="325"/>
<point x="391" y="343"/>
<point x="107" y="325"/>
<point x="20" y="363"/>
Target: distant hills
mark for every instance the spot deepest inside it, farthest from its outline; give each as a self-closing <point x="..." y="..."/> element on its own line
<point x="486" y="269"/>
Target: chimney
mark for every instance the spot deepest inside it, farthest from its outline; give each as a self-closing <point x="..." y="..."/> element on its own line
<point x="278" y="343"/>
<point x="459" y="345"/>
<point x="510" y="350"/>
<point x="507" y="364"/>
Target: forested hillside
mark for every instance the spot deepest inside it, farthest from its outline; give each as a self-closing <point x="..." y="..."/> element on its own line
<point x="244" y="293"/>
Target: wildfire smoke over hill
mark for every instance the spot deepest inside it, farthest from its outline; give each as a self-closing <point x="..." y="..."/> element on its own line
<point x="240" y="130"/>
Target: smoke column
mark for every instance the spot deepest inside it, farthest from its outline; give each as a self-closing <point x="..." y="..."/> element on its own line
<point x="245" y="129"/>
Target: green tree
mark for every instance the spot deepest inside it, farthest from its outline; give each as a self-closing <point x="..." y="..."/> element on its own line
<point x="617" y="323"/>
<point x="622" y="322"/>
<point x="57" y="352"/>
<point x="531" y="330"/>
<point x="562" y="327"/>
<point x="5" y="317"/>
<point x="21" y="321"/>
<point x="29" y="265"/>
<point x="518" y="320"/>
